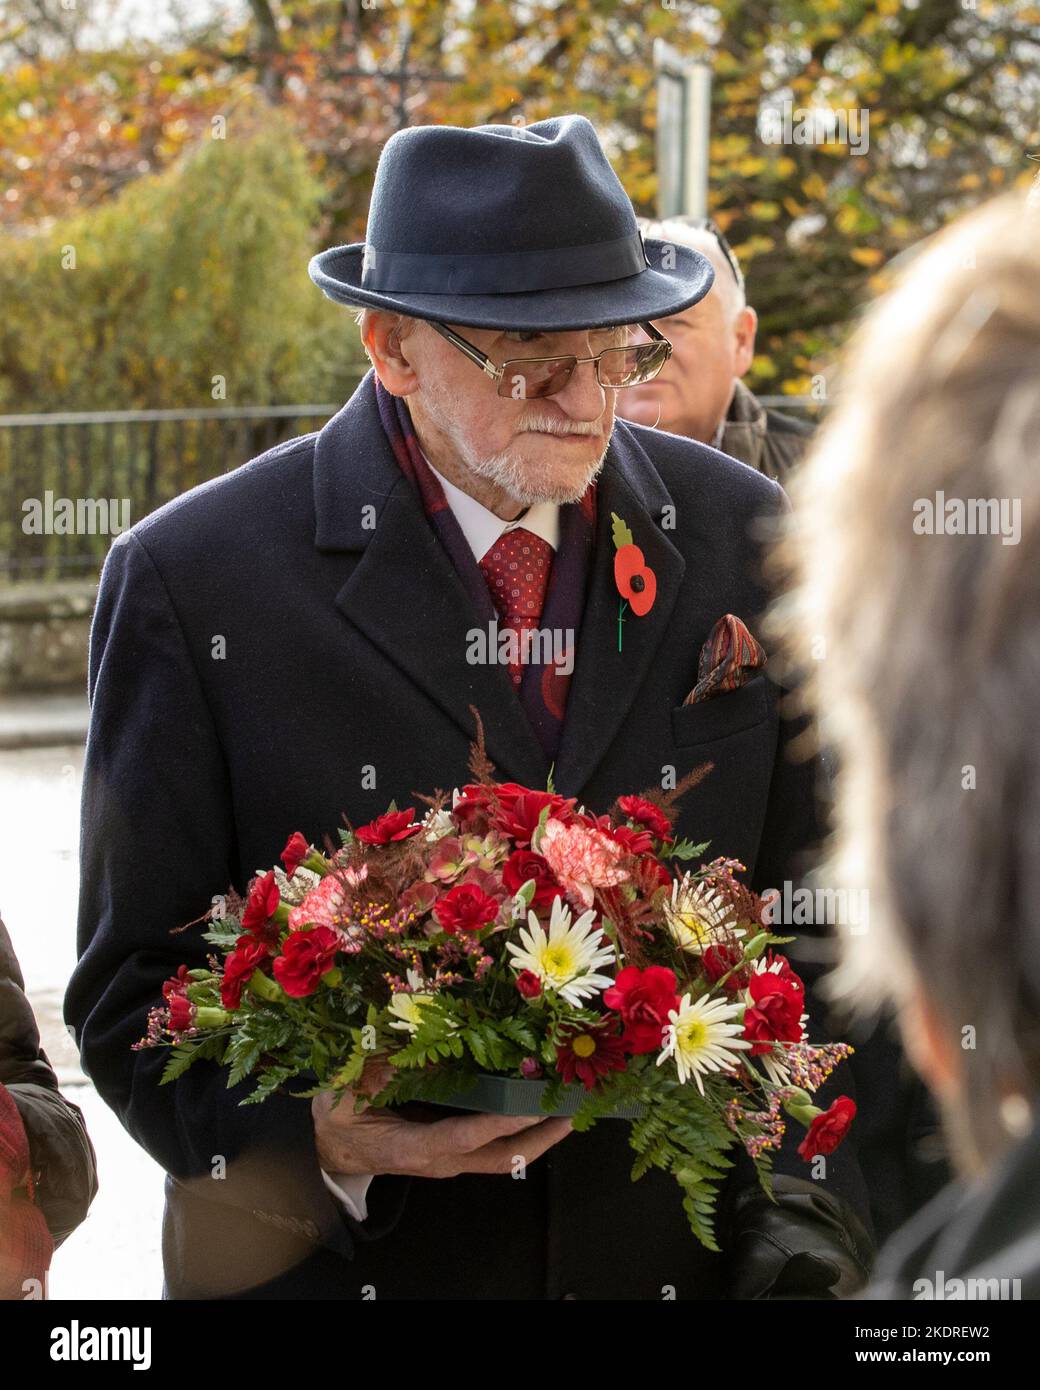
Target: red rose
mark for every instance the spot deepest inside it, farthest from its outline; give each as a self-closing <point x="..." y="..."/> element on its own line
<point x="182" y="1013"/>
<point x="263" y="899"/>
<point x="828" y="1130"/>
<point x="394" y="825"/>
<point x="523" y="864"/>
<point x="645" y="813"/>
<point x="240" y="964"/>
<point x="296" y="849"/>
<point x="529" y="985"/>
<point x="776" y="1013"/>
<point x="466" y="907"/>
<point x="306" y="956"/>
<point x="643" y="999"/>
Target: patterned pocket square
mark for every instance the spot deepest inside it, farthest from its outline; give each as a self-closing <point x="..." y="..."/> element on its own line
<point x="728" y="659"/>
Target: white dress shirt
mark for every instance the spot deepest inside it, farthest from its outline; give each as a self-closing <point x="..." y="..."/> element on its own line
<point x="482" y="528"/>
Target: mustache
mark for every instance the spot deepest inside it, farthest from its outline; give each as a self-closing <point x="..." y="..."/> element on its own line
<point x="550" y="425"/>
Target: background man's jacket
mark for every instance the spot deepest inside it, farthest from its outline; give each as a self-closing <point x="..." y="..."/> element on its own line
<point x="261" y="652"/>
<point x="769" y="440"/>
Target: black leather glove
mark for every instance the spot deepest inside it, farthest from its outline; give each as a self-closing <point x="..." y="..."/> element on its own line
<point x="806" y="1244"/>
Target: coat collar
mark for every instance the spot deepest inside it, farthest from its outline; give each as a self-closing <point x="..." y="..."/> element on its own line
<point x="406" y="597"/>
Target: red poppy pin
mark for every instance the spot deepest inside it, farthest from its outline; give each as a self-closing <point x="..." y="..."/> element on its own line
<point x="636" y="581"/>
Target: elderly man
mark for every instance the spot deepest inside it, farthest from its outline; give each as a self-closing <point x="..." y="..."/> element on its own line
<point x="294" y="640"/>
<point x="700" y="393"/>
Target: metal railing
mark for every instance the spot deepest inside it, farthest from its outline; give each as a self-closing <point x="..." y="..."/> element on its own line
<point x="90" y="468"/>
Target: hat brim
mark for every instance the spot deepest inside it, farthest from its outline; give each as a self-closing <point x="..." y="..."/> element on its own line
<point x="652" y="294"/>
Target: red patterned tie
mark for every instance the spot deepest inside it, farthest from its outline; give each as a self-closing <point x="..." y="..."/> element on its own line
<point x="517" y="572"/>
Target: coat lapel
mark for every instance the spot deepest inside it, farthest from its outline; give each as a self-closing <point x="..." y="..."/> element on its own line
<point x="606" y="681"/>
<point x="404" y="594"/>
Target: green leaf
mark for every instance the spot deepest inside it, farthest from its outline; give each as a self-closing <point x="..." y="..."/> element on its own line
<point x="622" y="535"/>
<point x="180" y="1059"/>
<point x="684" y="849"/>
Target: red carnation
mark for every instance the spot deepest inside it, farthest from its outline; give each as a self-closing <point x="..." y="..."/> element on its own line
<point x="632" y="841"/>
<point x="523" y="864"/>
<point x="306" y="956"/>
<point x="776" y="1013"/>
<point x="393" y="825"/>
<point x="518" y="817"/>
<point x="828" y="1129"/>
<point x="719" y="959"/>
<point x="586" y="1054"/>
<point x="643" y="999"/>
<point x="466" y="907"/>
<point x="645" y="813"/>
<point x="263" y="900"/>
<point x="182" y="1013"/>
<point x="529" y="985"/>
<point x="295" y="851"/>
<point x="785" y="972"/>
<point x="240" y="964"/>
<point x="177" y="984"/>
<point x="474" y="800"/>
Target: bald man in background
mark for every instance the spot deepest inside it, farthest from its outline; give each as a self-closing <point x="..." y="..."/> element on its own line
<point x="699" y="393"/>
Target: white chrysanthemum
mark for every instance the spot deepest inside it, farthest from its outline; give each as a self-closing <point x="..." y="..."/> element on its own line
<point x="703" y="1037"/>
<point x="696" y="916"/>
<point x="407" y="1006"/>
<point x="565" y="961"/>
<point x="294" y="889"/>
<point x="777" y="1070"/>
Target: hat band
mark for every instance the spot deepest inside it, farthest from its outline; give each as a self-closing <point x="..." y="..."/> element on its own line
<point x="506" y="272"/>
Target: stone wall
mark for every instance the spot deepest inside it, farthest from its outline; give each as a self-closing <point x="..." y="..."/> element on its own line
<point x="44" y="631"/>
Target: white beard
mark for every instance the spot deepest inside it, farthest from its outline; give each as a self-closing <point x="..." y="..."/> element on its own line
<point x="507" y="469"/>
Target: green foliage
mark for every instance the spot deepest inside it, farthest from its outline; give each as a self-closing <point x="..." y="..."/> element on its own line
<point x="186" y="277"/>
<point x="683" y="1133"/>
<point x="684" y="849"/>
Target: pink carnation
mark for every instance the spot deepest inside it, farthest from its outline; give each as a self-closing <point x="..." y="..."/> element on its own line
<point x="327" y="906"/>
<point x="582" y="859"/>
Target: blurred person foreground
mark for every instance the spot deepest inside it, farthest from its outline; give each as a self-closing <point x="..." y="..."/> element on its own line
<point x="924" y="485"/>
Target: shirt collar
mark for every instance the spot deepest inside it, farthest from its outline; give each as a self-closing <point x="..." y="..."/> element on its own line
<point x="482" y="527"/>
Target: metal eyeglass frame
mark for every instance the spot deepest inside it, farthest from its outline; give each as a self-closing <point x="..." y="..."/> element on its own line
<point x="497" y="373"/>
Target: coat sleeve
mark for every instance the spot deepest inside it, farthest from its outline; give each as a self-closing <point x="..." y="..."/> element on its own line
<point x="157" y="841"/>
<point x="60" y="1152"/>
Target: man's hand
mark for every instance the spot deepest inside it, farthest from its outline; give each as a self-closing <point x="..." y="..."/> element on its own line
<point x="378" y="1142"/>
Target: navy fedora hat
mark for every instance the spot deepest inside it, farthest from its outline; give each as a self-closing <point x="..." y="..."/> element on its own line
<point x="523" y="227"/>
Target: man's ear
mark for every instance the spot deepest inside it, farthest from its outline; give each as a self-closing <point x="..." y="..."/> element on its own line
<point x="744" y="333"/>
<point x="382" y="336"/>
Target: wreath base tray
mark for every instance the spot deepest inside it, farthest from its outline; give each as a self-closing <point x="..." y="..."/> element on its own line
<point x="503" y="1095"/>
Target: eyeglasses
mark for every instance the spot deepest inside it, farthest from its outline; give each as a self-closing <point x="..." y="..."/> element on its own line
<point x="532" y="378"/>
